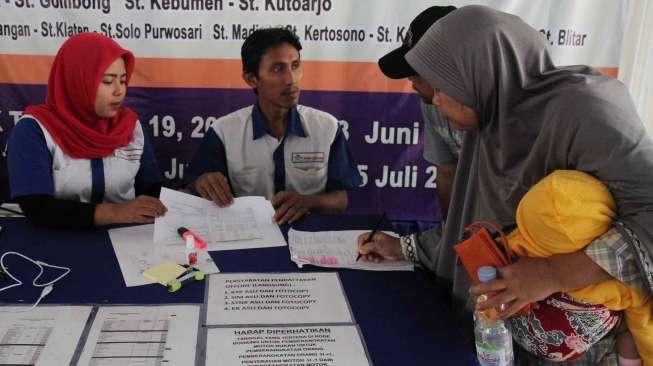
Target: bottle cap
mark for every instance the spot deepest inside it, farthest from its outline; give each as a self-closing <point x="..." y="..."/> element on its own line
<point x="486" y="273"/>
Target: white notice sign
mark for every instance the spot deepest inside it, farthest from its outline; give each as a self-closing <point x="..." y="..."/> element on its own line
<point x="315" y="345"/>
<point x="46" y="335"/>
<point x="142" y="336"/>
<point x="276" y="298"/>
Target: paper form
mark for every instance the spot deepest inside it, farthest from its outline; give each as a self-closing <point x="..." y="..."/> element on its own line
<point x="306" y="345"/>
<point x="136" y="252"/>
<point x="45" y="335"/>
<point x="142" y="335"/>
<point x="233" y="224"/>
<point x="335" y="249"/>
<point x="247" y="223"/>
<point x="184" y="210"/>
<point x="276" y="298"/>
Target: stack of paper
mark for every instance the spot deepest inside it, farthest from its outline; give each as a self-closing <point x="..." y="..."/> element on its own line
<point x="247" y="223"/>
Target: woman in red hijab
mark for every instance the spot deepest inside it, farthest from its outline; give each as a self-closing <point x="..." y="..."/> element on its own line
<point x="82" y="159"/>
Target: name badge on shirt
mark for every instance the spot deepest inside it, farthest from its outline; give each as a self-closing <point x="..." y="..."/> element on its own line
<point x="128" y="154"/>
<point x="307" y="157"/>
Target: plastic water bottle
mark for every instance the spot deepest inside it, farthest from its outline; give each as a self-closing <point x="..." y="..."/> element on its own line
<point x="493" y="338"/>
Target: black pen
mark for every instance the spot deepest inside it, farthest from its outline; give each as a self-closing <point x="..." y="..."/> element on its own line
<point x="369" y="238"/>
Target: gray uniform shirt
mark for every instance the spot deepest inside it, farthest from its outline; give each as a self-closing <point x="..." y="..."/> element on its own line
<point x="441" y="142"/>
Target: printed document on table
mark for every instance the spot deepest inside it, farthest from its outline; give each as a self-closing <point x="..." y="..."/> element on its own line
<point x="247" y="223"/>
<point x="276" y="298"/>
<point x="45" y="335"/>
<point x="142" y="335"/>
<point x="305" y="345"/>
<point x="136" y="252"/>
<point x="335" y="249"/>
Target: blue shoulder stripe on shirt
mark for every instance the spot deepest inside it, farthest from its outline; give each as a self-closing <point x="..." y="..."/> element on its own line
<point x="210" y="156"/>
<point x="148" y="173"/>
<point x="29" y="161"/>
<point x="342" y="173"/>
<point x="97" y="180"/>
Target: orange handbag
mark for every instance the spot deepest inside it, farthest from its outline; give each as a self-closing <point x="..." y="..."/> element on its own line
<point x="481" y="249"/>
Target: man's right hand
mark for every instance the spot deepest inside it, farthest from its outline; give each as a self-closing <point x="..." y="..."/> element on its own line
<point x="215" y="187"/>
<point x="381" y="247"/>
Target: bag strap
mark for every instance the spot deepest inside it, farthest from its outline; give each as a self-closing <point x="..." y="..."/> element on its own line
<point x="504" y="240"/>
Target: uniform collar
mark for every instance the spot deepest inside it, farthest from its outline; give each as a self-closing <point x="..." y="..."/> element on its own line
<point x="261" y="127"/>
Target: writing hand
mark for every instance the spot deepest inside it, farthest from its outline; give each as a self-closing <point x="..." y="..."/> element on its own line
<point x="381" y="247"/>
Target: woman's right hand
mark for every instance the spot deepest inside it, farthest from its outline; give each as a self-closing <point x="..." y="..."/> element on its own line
<point x="140" y="210"/>
<point x="381" y="247"/>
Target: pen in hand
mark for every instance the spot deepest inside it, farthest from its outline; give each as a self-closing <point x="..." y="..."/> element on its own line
<point x="369" y="238"/>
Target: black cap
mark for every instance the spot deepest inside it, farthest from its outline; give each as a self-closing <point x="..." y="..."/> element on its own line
<point x="394" y="65"/>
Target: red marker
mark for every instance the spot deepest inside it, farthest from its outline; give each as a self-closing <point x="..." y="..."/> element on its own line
<point x="193" y="242"/>
<point x="185" y="233"/>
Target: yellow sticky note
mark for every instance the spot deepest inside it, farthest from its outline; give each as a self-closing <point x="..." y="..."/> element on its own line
<point x="164" y="272"/>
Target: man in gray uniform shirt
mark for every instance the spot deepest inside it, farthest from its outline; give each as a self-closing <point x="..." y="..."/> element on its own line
<point x="441" y="142"/>
<point x="441" y="145"/>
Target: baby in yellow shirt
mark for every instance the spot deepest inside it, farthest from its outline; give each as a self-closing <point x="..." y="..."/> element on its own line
<point x="563" y="213"/>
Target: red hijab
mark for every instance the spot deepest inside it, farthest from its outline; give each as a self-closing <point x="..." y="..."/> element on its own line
<point x="69" y="110"/>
